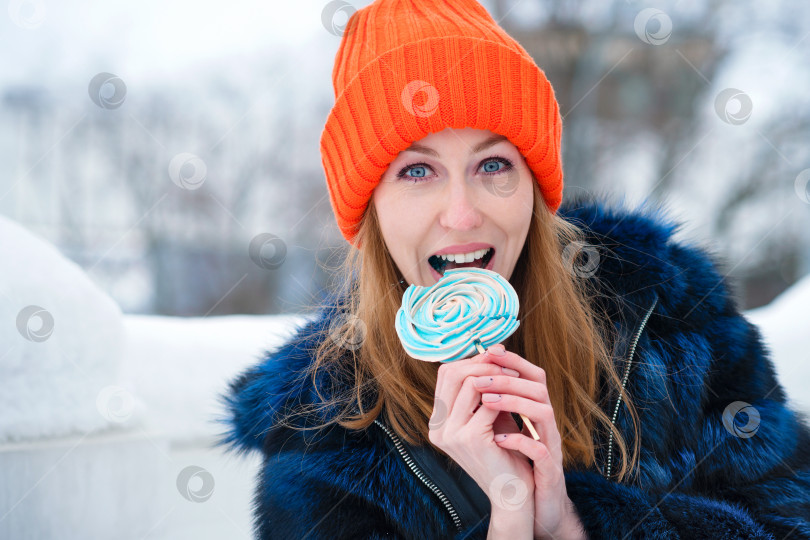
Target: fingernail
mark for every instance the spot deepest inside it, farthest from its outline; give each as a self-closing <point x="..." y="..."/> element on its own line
<point x="489" y="398"/>
<point x="511" y="372"/>
<point x="497" y="350"/>
<point x="501" y="437"/>
<point x="481" y="382"/>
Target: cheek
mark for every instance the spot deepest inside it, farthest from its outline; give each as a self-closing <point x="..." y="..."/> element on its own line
<point x="514" y="213"/>
<point x="399" y="222"/>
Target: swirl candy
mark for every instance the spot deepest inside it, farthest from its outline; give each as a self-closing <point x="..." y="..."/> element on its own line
<point x="465" y="312"/>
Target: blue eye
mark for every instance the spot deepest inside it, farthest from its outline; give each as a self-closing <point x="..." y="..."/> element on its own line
<point x="487" y="166"/>
<point x="490" y="166"/>
<point x="420" y="170"/>
<point x="493" y="161"/>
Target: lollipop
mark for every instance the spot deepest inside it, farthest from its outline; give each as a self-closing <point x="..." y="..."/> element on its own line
<point x="465" y="312"/>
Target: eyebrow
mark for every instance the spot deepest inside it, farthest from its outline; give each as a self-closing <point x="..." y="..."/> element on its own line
<point x="480" y="147"/>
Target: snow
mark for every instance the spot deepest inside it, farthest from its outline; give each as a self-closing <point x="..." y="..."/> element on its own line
<point x="59" y="363"/>
<point x="723" y="155"/>
<point x="785" y="324"/>
<point x="178" y="366"/>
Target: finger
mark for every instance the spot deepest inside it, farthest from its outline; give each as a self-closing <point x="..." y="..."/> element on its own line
<point x="467" y="414"/>
<point x="464" y="406"/>
<point x="483" y="420"/>
<point x="441" y="374"/>
<point x="449" y="368"/>
<point x="516" y="362"/>
<point x="547" y="470"/>
<point x="534" y="450"/>
<point x="450" y="376"/>
<point x="540" y="414"/>
<point x="505" y="384"/>
<point x="441" y="403"/>
<point x="453" y="374"/>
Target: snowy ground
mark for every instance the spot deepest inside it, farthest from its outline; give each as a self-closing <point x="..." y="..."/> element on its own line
<point x="130" y="478"/>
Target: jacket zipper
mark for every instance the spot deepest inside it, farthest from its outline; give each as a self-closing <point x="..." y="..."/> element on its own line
<point x="421" y="475"/>
<point x="624" y="383"/>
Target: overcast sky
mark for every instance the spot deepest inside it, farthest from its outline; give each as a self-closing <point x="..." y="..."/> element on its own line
<point x="148" y="38"/>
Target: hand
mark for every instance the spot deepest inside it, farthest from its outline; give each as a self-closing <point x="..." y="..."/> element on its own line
<point x="527" y="394"/>
<point x="466" y="431"/>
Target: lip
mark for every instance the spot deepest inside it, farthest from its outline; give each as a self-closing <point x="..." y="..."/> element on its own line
<point x="437" y="276"/>
<point x="463" y="248"/>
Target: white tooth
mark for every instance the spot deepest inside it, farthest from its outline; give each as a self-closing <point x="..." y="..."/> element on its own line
<point x="479" y="253"/>
<point x="469" y="257"/>
<point x="451" y="257"/>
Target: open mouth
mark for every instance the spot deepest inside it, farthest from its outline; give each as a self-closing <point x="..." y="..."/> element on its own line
<point x="441" y="264"/>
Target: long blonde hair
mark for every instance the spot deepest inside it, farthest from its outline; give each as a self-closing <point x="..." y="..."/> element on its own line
<point x="561" y="330"/>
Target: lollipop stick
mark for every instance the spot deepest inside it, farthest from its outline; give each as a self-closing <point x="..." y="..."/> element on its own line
<point x="526" y="421"/>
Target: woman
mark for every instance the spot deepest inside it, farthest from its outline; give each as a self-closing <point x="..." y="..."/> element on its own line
<point x="658" y="412"/>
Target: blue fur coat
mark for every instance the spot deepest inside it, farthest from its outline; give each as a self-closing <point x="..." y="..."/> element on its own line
<point x="722" y="454"/>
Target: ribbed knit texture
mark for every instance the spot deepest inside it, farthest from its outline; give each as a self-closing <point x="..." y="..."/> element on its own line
<point x="408" y="68"/>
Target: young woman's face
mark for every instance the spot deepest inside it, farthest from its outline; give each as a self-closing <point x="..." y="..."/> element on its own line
<point x="457" y="191"/>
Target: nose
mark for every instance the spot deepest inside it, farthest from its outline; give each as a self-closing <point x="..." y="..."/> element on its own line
<point x="459" y="203"/>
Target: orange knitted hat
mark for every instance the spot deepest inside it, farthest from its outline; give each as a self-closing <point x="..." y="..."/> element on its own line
<point x="408" y="68"/>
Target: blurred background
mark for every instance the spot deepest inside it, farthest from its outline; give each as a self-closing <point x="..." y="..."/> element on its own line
<point x="164" y="216"/>
<point x="701" y="104"/>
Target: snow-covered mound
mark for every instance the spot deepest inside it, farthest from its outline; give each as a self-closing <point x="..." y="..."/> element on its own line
<point x="61" y="347"/>
<point x="785" y="325"/>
